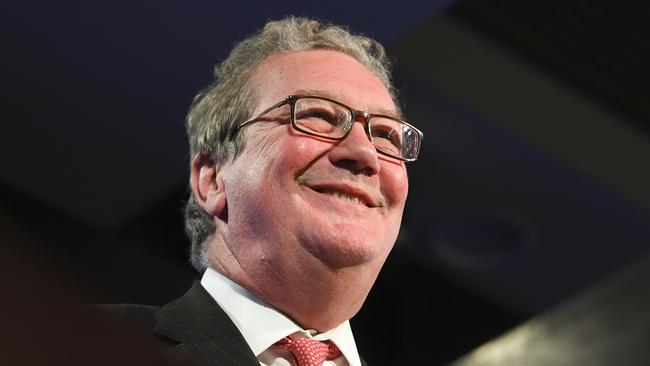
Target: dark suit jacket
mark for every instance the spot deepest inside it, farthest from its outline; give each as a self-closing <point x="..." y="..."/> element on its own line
<point x="191" y="330"/>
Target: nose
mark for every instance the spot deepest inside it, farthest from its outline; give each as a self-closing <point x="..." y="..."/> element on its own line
<point x="356" y="153"/>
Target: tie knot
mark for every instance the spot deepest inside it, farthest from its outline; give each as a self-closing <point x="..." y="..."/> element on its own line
<point x="309" y="352"/>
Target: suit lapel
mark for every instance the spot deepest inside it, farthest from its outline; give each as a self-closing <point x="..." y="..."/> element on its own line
<point x="204" y="333"/>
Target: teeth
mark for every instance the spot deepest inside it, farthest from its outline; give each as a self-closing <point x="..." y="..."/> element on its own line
<point x="345" y="197"/>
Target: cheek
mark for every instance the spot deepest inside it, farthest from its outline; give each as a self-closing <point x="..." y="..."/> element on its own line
<point x="261" y="155"/>
<point x="282" y="146"/>
<point x="299" y="153"/>
<point x="395" y="183"/>
<point x="271" y="164"/>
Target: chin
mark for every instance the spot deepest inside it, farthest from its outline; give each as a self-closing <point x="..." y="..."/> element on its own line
<point x="348" y="248"/>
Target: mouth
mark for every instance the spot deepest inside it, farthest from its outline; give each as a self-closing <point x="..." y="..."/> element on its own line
<point x="349" y="194"/>
<point x="344" y="196"/>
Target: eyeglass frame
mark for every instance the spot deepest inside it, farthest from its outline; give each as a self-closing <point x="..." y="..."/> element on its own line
<point x="354" y="113"/>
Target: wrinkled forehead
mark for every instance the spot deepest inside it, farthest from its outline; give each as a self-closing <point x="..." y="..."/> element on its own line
<point x="320" y="72"/>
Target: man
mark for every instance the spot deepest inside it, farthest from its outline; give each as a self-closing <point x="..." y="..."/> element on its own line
<point x="298" y="185"/>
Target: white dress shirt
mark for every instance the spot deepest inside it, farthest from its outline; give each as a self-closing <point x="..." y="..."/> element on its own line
<point x="262" y="325"/>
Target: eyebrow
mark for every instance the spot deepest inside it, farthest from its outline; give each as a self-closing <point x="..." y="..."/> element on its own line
<point x="337" y="97"/>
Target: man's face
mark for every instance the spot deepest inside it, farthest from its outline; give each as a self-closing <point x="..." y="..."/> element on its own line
<point x="295" y="201"/>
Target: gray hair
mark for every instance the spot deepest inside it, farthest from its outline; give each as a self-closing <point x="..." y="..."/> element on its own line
<point x="215" y="114"/>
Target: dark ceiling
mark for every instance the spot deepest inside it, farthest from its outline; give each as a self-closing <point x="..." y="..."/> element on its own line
<point x="600" y="47"/>
<point x="533" y="184"/>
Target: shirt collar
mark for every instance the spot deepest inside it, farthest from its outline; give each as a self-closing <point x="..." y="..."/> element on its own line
<point x="261" y="324"/>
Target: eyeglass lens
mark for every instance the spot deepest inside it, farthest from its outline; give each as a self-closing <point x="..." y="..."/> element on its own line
<point x="328" y="119"/>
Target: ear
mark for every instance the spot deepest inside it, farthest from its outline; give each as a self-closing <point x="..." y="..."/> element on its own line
<point x="208" y="186"/>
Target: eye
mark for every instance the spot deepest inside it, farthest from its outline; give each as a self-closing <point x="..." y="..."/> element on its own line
<point x="389" y="135"/>
<point x="386" y="136"/>
<point x="321" y="118"/>
<point x="318" y="114"/>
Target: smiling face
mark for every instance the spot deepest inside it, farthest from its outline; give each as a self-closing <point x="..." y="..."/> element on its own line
<point x="297" y="203"/>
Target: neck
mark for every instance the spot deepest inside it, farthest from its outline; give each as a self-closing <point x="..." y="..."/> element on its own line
<point x="320" y="300"/>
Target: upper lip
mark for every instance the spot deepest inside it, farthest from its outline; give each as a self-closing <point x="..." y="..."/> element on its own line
<point x="371" y="200"/>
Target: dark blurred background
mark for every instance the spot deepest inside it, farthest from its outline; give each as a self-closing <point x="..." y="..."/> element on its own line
<point x="534" y="182"/>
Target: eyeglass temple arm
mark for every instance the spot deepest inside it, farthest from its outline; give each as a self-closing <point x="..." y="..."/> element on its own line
<point x="267" y="110"/>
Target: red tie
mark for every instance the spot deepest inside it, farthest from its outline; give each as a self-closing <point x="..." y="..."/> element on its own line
<point x="309" y="352"/>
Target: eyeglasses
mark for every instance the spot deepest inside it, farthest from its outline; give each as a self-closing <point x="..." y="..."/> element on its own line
<point x="332" y="120"/>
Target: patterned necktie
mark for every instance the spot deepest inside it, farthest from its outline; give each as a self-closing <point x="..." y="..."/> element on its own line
<point x="309" y="352"/>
